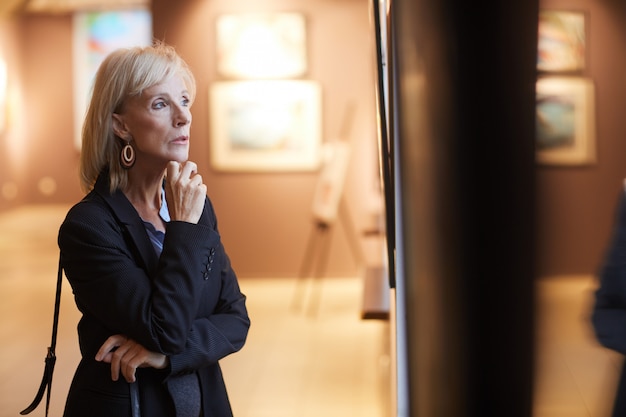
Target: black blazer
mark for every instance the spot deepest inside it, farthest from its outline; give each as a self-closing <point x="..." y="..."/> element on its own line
<point x="186" y="304"/>
<point x="609" y="311"/>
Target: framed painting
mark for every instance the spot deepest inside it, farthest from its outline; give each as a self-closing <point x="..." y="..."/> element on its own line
<point x="561" y="41"/>
<point x="265" y="125"/>
<point x="261" y="45"/>
<point x="565" y="121"/>
<point x="95" y="35"/>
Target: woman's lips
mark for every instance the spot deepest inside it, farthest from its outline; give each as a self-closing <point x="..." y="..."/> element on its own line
<point x="181" y="139"/>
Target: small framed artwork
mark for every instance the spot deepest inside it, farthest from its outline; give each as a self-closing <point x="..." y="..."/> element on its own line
<point x="565" y="121"/>
<point x="561" y="41"/>
<point x="265" y="125"/>
<point x="261" y="45"/>
<point x="95" y="35"/>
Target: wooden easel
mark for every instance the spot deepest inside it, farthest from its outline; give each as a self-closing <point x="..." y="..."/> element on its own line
<point x="328" y="204"/>
<point x="318" y="249"/>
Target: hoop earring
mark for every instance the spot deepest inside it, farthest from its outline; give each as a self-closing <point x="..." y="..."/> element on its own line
<point x="127" y="156"/>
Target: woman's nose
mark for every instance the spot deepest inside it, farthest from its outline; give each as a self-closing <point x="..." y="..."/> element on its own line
<point x="182" y="116"/>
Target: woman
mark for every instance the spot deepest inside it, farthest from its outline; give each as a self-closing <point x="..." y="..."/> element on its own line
<point x="609" y="311"/>
<point x="160" y="302"/>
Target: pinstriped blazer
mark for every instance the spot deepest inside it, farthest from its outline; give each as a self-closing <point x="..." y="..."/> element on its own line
<point x="186" y="303"/>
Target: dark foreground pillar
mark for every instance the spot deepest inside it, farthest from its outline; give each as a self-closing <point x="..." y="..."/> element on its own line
<point x="464" y="104"/>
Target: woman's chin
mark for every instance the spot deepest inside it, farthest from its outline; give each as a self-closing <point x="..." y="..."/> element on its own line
<point x="180" y="157"/>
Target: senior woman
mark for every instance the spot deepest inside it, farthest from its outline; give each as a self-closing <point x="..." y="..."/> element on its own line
<point x="159" y="299"/>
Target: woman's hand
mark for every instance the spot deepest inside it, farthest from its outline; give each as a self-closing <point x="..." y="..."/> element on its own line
<point x="125" y="356"/>
<point x="185" y="192"/>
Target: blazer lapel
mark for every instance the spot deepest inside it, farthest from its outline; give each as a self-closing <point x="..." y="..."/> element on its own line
<point x="130" y="222"/>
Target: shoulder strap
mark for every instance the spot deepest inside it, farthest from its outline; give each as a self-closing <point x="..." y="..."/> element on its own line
<point x="46" y="381"/>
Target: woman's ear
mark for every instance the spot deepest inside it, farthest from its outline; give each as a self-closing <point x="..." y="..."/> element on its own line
<point x="119" y="127"/>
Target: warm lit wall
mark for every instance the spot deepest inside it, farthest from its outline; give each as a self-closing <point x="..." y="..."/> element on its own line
<point x="37" y="159"/>
<point x="12" y="152"/>
<point x="576" y="204"/>
<point x="265" y="218"/>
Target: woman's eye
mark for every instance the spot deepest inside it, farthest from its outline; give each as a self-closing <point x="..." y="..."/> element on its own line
<point x="186" y="102"/>
<point x="159" y="104"/>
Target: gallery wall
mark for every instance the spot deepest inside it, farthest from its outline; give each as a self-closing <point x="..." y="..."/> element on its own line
<point x="576" y="204"/>
<point x="11" y="152"/>
<point x="265" y="218"/>
<point x="39" y="162"/>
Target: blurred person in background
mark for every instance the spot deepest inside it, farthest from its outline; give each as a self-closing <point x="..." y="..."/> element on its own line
<point x="609" y="311"/>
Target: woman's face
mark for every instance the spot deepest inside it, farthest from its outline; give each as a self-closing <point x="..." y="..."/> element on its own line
<point x="157" y="123"/>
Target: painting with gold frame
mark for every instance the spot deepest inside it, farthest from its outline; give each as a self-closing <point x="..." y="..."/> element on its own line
<point x="269" y="125"/>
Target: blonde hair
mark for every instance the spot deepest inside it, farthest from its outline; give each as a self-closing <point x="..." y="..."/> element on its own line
<point x="124" y="73"/>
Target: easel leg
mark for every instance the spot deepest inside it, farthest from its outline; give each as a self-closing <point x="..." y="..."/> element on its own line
<point x="317" y="233"/>
<point x="351" y="234"/>
<point x="324" y="250"/>
<point x="319" y="246"/>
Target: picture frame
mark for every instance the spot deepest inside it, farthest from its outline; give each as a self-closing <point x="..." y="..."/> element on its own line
<point x="565" y="122"/>
<point x="95" y="35"/>
<point x="265" y="126"/>
<point x="381" y="18"/>
<point x="562" y="41"/>
<point x="261" y="45"/>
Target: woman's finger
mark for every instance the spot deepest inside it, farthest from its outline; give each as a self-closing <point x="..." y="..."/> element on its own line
<point x="196" y="180"/>
<point x="116" y="360"/>
<point x="131" y="361"/>
<point x="173" y="171"/>
<point x="109" y="345"/>
<point x="189" y="168"/>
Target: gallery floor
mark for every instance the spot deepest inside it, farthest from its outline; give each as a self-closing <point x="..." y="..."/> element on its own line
<point x="297" y="362"/>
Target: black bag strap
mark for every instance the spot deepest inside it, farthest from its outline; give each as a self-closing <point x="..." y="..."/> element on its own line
<point x="46" y="381"/>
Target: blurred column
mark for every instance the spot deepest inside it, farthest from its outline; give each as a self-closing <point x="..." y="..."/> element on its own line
<point x="463" y="109"/>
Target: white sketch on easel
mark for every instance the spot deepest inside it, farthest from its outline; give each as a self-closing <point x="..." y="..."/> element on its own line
<point x="329" y="187"/>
